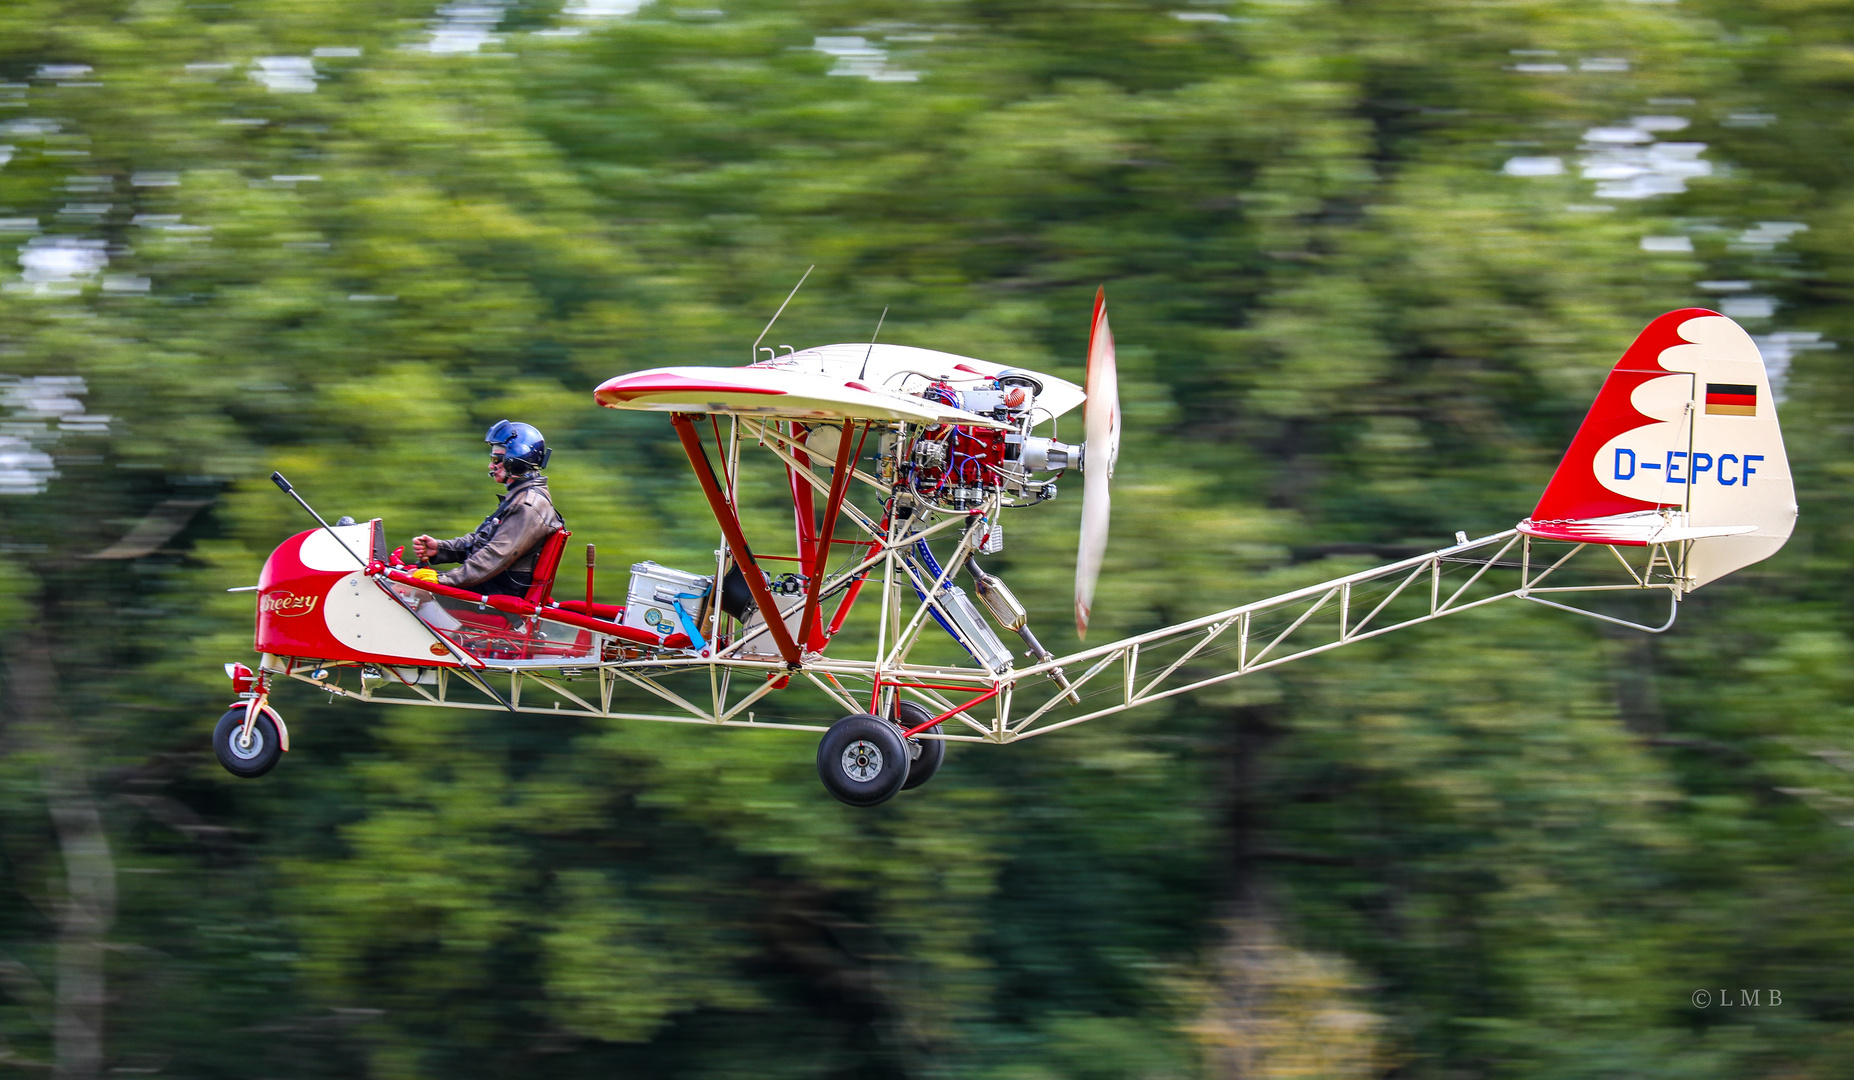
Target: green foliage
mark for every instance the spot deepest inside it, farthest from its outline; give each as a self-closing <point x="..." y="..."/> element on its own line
<point x="1507" y="846"/>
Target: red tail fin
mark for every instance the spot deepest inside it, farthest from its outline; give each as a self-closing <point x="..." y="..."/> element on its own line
<point x="1575" y="490"/>
<point x="1681" y="445"/>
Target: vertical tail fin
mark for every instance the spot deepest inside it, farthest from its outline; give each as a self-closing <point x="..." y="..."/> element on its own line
<point x="1681" y="445"/>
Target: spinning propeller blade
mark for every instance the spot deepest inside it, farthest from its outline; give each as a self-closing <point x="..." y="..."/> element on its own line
<point x="1101" y="422"/>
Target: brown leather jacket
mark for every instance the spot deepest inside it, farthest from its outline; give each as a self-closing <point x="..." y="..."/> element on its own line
<point x="506" y="540"/>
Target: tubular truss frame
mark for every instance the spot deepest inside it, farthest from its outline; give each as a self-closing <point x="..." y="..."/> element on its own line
<point x="1023" y="703"/>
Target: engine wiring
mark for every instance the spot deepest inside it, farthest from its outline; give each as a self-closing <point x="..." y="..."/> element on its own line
<point x="957" y="467"/>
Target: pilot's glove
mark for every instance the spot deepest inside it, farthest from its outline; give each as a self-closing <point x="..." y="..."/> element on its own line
<point x="425" y="573"/>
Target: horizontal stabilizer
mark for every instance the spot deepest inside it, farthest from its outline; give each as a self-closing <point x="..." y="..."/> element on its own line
<point x="1641" y="528"/>
<point x="1681" y="445"/>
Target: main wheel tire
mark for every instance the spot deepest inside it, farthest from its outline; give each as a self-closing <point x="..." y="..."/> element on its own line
<point x="250" y="761"/>
<point x="933" y="751"/>
<point x="863" y="760"/>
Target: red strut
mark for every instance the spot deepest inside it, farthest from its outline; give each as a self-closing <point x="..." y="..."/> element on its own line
<point x="839" y="484"/>
<point x="736" y="540"/>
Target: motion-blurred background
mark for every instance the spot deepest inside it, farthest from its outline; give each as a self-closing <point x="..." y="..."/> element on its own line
<point x="1367" y="264"/>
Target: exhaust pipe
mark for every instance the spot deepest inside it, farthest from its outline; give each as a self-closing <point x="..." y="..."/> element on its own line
<point x="1010" y="614"/>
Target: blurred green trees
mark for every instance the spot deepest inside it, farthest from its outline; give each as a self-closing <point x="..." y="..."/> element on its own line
<point x="1363" y="292"/>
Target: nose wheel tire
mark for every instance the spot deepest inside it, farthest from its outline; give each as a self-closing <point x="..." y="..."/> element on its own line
<point x="247" y="758"/>
<point x="933" y="751"/>
<point x="863" y="760"/>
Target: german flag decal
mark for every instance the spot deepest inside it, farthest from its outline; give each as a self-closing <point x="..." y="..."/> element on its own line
<point x="1731" y="399"/>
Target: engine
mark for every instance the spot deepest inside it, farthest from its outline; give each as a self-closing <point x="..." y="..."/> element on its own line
<point x="958" y="466"/>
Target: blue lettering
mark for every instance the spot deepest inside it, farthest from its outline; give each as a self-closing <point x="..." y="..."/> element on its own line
<point x="1651" y="465"/>
<point x="1749" y="458"/>
<point x="1701" y="463"/>
<point x="1723" y="458"/>
<point x="1672" y="468"/>
<point x="1619" y="474"/>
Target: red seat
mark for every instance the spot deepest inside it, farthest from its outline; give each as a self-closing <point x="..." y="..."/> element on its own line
<point x="546" y="565"/>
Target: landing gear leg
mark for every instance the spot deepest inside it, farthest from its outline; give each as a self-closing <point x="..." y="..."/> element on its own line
<point x="932" y="751"/>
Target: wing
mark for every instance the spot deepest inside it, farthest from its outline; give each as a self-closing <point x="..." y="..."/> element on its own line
<point x="903" y="368"/>
<point x="769" y="390"/>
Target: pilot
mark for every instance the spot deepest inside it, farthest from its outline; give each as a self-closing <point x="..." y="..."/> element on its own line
<point x="498" y="558"/>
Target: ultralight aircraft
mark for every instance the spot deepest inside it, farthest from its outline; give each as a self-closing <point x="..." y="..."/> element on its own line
<point x="1676" y="478"/>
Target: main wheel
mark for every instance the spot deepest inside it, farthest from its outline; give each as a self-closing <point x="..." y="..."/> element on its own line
<point x="863" y="760"/>
<point x="249" y="760"/>
<point x="933" y="751"/>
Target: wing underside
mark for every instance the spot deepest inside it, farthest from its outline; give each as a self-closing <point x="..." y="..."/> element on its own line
<point x="772" y="392"/>
<point x="850" y="381"/>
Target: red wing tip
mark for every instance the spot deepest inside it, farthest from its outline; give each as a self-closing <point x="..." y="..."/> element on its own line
<point x="631" y="387"/>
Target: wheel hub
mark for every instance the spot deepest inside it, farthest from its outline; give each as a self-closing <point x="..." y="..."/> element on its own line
<point x="862" y="761"/>
<point x="247" y="747"/>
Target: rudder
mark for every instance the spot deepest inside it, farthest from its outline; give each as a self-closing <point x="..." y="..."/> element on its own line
<point x="1682" y="445"/>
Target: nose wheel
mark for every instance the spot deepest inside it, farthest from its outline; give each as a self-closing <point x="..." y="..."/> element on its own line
<point x="247" y="754"/>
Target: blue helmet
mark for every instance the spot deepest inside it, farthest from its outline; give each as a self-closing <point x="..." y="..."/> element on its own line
<point x="523" y="447"/>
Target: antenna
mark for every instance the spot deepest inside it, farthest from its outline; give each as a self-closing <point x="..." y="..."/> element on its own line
<point x="754" y="354"/>
<point x="872" y="341"/>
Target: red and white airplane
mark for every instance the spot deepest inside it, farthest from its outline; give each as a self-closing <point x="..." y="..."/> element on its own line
<point x="1676" y="478"/>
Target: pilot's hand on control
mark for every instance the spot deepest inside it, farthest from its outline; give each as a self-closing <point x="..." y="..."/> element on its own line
<point x="424" y="546"/>
<point x="425" y="573"/>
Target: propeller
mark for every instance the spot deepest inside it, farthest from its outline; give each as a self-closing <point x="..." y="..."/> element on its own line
<point x="1101" y="424"/>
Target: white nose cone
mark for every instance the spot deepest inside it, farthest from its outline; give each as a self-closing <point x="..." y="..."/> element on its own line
<point x="1101" y="422"/>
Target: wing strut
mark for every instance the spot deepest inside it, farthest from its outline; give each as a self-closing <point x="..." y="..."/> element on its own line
<point x="736" y="539"/>
<point x="804" y="514"/>
<point x="839" y="484"/>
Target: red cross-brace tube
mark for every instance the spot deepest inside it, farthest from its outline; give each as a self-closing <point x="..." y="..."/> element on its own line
<point x="876" y="694"/>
